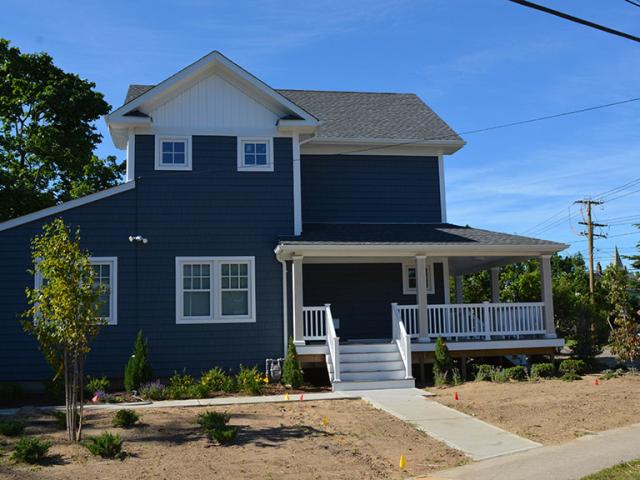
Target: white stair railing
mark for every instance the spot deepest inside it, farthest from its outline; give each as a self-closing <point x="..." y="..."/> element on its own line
<point x="333" y="343"/>
<point x="314" y="323"/>
<point x="402" y="339"/>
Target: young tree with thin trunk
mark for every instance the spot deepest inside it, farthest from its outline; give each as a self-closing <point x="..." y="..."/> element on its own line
<point x="63" y="313"/>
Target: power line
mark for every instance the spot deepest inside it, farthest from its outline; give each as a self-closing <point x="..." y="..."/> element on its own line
<point x="632" y="2"/>
<point x="454" y="136"/>
<point x="581" y="21"/>
<point x="604" y="195"/>
<point x="610" y="236"/>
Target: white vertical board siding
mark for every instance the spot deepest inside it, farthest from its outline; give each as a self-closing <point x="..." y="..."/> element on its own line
<point x="215" y="103"/>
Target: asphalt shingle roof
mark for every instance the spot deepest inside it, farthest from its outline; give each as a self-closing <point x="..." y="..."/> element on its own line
<point x="396" y="116"/>
<point x="435" y="234"/>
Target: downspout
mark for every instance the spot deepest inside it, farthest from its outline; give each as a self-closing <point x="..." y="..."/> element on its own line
<point x="285" y="306"/>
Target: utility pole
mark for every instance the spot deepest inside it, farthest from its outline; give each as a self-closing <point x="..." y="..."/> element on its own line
<point x="590" y="236"/>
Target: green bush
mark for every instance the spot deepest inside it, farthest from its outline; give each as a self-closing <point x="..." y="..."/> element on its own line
<point x="250" y="380"/>
<point x="570" y="377"/>
<point x="499" y="375"/>
<point x="484" y="372"/>
<point x="223" y="435"/>
<point x="153" y="391"/>
<point x="97" y="384"/>
<point x="443" y="364"/>
<point x="11" y="427"/>
<point x="10" y="393"/>
<point x="138" y="369"/>
<point x="125" y="418"/>
<point x="542" y="370"/>
<point x="30" y="450"/>
<point x="572" y="367"/>
<point x="517" y="373"/>
<point x="106" y="445"/>
<point x="180" y="386"/>
<point x="211" y="420"/>
<point x="217" y="380"/>
<point x="291" y="371"/>
<point x="456" y="377"/>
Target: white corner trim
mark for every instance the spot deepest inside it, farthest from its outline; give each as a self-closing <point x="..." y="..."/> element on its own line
<point x="297" y="186"/>
<point x="255" y="168"/>
<point x="113" y="285"/>
<point x="175" y="138"/>
<point x="131" y="156"/>
<point x="443" y="196"/>
<point x="406" y="290"/>
<point x="67" y="205"/>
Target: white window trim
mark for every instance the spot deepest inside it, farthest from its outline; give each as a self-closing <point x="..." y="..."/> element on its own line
<point x="216" y="292"/>
<point x="405" y="279"/>
<point x="113" y="287"/>
<point x="255" y="168"/>
<point x="172" y="138"/>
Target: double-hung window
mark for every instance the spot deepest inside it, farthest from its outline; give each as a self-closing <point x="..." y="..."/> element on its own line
<point x="410" y="280"/>
<point x="173" y="153"/>
<point x="255" y="155"/>
<point x="215" y="289"/>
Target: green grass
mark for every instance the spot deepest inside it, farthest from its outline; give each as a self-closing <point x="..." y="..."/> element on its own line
<point x="623" y="471"/>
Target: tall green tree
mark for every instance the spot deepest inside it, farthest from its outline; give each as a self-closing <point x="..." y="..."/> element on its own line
<point x="64" y="311"/>
<point x="47" y="134"/>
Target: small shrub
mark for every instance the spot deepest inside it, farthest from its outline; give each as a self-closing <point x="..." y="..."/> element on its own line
<point x="138" y="369"/>
<point x="499" y="375"/>
<point x="96" y="384"/>
<point x="456" y="377"/>
<point x="198" y="390"/>
<point x="572" y="366"/>
<point x="217" y="380"/>
<point x="517" y="373"/>
<point x="153" y="391"/>
<point x="11" y="427"/>
<point x="180" y="386"/>
<point x="223" y="435"/>
<point x="30" y="450"/>
<point x="250" y="380"/>
<point x="443" y="364"/>
<point x="542" y="370"/>
<point x="10" y="392"/>
<point x="211" y="420"/>
<point x="125" y="418"/>
<point x="570" y="377"/>
<point x="291" y="371"/>
<point x="484" y="372"/>
<point x="106" y="445"/>
<point x="609" y="374"/>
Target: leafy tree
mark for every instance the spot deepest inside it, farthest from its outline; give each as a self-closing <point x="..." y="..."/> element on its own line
<point x="47" y="134"/>
<point x="138" y="369"/>
<point x="63" y="313"/>
<point x="291" y="372"/>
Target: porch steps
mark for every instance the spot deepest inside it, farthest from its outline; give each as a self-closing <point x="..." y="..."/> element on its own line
<point x="370" y="366"/>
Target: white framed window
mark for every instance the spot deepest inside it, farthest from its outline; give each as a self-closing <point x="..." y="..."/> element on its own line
<point x="173" y="153"/>
<point x="215" y="289"/>
<point x="409" y="278"/>
<point x="255" y="155"/>
<point x="106" y="275"/>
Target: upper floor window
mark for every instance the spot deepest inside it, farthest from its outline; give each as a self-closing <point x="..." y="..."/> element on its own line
<point x="255" y="155"/>
<point x="410" y="280"/>
<point x="173" y="153"/>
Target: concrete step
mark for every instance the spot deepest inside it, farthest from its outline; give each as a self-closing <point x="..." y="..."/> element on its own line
<point x="371" y="366"/>
<point x="369" y="357"/>
<point x="368" y="347"/>
<point x="376" y="375"/>
<point x="373" y="385"/>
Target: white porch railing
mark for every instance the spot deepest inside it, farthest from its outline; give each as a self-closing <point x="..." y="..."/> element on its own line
<point x="314" y="322"/>
<point x="477" y="319"/>
<point x="402" y="339"/>
<point x="333" y="342"/>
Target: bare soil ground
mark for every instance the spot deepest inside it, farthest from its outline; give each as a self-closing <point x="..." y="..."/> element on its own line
<point x="275" y="441"/>
<point x="549" y="411"/>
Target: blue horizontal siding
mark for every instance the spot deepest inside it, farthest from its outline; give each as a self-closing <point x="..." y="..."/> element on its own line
<point x="370" y="189"/>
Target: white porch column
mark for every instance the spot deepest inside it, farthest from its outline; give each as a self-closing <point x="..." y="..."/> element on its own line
<point x="298" y="322"/>
<point x="547" y="295"/>
<point x="495" y="285"/>
<point x="421" y="294"/>
<point x="459" y="295"/>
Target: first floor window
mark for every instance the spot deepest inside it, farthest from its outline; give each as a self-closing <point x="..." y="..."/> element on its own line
<point x="215" y="289"/>
<point x="410" y="280"/>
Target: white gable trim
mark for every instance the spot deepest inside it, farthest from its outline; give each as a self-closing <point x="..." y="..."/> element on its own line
<point x="67" y="206"/>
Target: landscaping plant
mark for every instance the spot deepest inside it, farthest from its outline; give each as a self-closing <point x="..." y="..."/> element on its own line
<point x="30" y="450"/>
<point x="443" y="364"/>
<point x="484" y="372"/>
<point x="217" y="380"/>
<point x="180" y="386"/>
<point x="138" y="369"/>
<point x="542" y="370"/>
<point x="517" y="373"/>
<point x="153" y="391"/>
<point x="250" y="380"/>
<point x="125" y="418"/>
<point x="64" y="311"/>
<point x="572" y="366"/>
<point x="11" y="427"/>
<point x="97" y="384"/>
<point x="291" y="371"/>
<point x="215" y="426"/>
<point x="106" y="445"/>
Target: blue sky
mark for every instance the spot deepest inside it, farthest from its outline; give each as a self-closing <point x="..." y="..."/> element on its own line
<point x="476" y="63"/>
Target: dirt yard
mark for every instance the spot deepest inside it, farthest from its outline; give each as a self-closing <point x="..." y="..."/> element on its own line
<point x="275" y="441"/>
<point x="550" y="411"/>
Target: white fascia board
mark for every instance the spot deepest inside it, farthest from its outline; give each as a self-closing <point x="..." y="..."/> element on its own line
<point x="381" y="146"/>
<point x="66" y="206"/>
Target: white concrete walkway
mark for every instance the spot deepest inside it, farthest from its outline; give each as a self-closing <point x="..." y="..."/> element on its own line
<point x="476" y="438"/>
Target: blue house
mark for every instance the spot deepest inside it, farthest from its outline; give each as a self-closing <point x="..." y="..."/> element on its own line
<point x="250" y="215"/>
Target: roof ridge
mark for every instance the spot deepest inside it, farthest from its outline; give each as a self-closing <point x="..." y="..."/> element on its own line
<point x="342" y="91"/>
